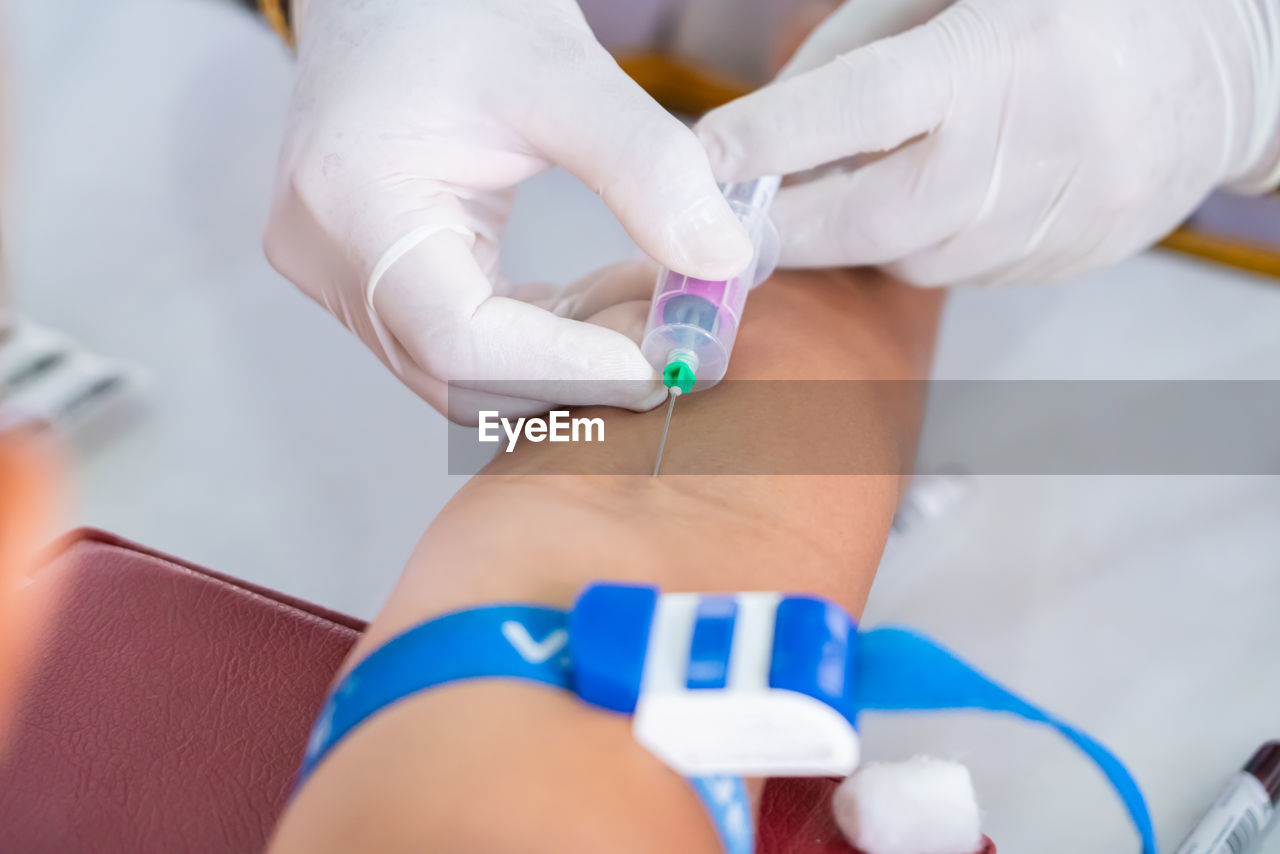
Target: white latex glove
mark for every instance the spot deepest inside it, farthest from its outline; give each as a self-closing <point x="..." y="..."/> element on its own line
<point x="410" y="123"/>
<point x="1029" y="139"/>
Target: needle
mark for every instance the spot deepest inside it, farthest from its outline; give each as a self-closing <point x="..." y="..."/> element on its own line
<point x="671" y="408"/>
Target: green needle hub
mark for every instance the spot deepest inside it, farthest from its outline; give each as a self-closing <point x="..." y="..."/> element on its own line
<point x="679" y="375"/>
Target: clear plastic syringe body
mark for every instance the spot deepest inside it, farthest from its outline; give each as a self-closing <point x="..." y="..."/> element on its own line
<point x="694" y="322"/>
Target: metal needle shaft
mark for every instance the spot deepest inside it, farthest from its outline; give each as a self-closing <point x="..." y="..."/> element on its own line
<point x="671" y="408"/>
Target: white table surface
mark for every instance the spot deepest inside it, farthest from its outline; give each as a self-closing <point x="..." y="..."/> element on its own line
<point x="275" y="448"/>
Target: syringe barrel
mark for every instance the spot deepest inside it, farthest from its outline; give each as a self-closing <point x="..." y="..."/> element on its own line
<point x="696" y="320"/>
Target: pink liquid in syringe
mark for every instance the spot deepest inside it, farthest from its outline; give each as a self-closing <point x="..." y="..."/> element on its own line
<point x="709" y="305"/>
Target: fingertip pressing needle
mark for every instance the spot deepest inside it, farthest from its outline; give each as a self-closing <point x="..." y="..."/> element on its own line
<point x="671" y="408"/>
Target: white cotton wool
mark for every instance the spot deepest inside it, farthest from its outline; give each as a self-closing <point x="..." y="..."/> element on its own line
<point x="921" y="806"/>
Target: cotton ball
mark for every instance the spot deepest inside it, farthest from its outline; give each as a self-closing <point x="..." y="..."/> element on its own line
<point x="921" y="806"/>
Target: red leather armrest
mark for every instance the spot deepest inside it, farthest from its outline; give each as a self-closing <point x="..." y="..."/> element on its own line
<point x="168" y="710"/>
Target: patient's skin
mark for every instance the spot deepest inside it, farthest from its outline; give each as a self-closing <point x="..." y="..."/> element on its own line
<point x="507" y="767"/>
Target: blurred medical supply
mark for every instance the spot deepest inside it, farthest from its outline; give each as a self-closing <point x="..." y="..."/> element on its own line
<point x="51" y="383"/>
<point x="1025" y="141"/>
<point x="929" y="496"/>
<point x="1243" y="231"/>
<point x="1243" y="810"/>
<point x="410" y="125"/>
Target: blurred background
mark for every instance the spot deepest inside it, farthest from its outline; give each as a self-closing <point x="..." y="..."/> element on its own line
<point x="269" y="445"/>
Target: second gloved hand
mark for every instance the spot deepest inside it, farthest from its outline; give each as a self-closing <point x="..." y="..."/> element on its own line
<point x="410" y="123"/>
<point x="1026" y="140"/>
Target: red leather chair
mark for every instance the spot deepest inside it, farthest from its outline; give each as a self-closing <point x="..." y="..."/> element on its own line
<point x="171" y="705"/>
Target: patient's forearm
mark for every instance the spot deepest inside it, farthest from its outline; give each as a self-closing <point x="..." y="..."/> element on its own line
<point x="511" y="532"/>
<point x="509" y="767"/>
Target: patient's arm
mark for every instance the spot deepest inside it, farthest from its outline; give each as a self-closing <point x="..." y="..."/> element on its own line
<point x="508" y="767"/>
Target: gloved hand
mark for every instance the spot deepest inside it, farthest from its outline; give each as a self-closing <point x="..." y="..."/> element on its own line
<point x="1028" y="139"/>
<point x="410" y="122"/>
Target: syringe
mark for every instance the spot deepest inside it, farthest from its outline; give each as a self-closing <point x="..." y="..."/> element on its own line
<point x="694" y="322"/>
